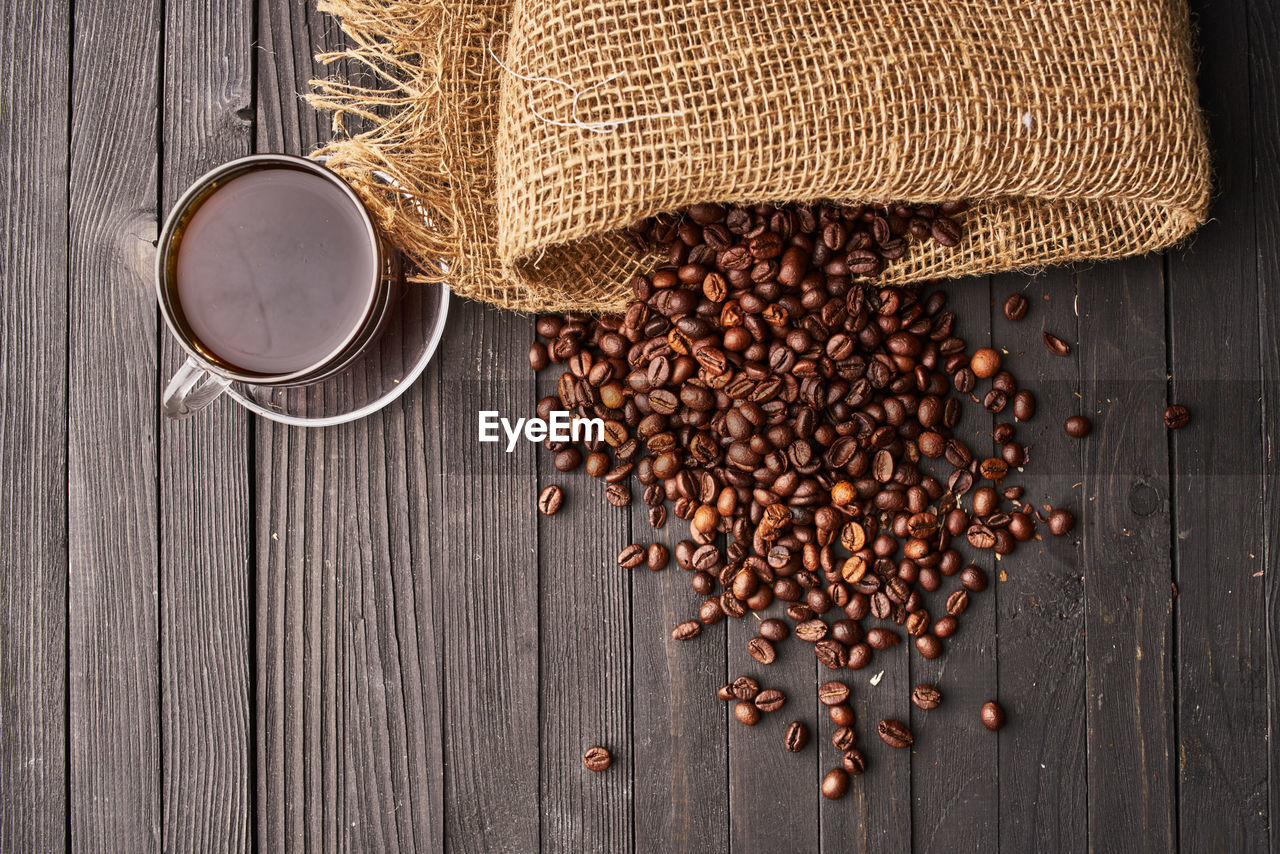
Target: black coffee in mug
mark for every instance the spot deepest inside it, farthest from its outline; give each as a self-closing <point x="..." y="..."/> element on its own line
<point x="273" y="270"/>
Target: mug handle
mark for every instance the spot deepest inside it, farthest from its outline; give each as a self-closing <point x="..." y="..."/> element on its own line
<point x="192" y="388"/>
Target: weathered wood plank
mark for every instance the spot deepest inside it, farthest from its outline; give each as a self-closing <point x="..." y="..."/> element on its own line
<point x="1043" y="797"/>
<point x="1123" y="522"/>
<point x="205" y="522"/>
<point x="34" y="145"/>
<point x="488" y="547"/>
<point x="1219" y="468"/>
<point x="1264" y="77"/>
<point x="954" y="764"/>
<point x="680" y="736"/>
<point x="584" y="618"/>
<point x="349" y="716"/>
<point x="115" y="727"/>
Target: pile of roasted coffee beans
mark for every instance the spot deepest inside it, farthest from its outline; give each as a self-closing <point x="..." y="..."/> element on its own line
<point x="800" y="422"/>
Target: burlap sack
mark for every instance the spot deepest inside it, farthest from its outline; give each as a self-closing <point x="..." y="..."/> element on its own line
<point x="1072" y="125"/>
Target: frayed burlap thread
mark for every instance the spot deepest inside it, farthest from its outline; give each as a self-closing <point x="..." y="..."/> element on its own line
<point x="1072" y="125"/>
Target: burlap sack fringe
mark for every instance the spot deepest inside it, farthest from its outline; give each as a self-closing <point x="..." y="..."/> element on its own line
<point x="1072" y="125"/>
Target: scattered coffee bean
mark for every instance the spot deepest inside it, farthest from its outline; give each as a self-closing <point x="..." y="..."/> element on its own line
<point x="761" y="650"/>
<point x="631" y="556"/>
<point x="895" y="733"/>
<point x="1015" y="307"/>
<point x="929" y="646"/>
<point x="725" y="692"/>
<point x="1177" y="416"/>
<point x="926" y="696"/>
<point x="1055" y="345"/>
<point x="657" y="556"/>
<point x="1061" y="522"/>
<point x="796" y="736"/>
<point x="745" y="688"/>
<point x="974" y="578"/>
<point x="550" y="499"/>
<point x="853" y="761"/>
<point x="833" y="693"/>
<point x="985" y="362"/>
<point x="597" y="759"/>
<point x="746" y="713"/>
<point x="687" y="630"/>
<point x="841" y="715"/>
<point x="774" y="630"/>
<point x="843" y="738"/>
<point x="836" y="784"/>
<point x="770" y="700"/>
<point x="1077" y="426"/>
<point x="992" y="715"/>
<point x="946" y="627"/>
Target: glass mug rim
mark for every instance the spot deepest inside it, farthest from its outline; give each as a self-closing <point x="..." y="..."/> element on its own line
<point x="170" y="307"/>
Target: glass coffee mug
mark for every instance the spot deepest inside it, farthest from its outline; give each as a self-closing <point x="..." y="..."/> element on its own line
<point x="270" y="272"/>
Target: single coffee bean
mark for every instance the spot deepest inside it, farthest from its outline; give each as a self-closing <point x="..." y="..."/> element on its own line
<point x="725" y="692"/>
<point x="832" y="654"/>
<point x="745" y="688"/>
<point x="1024" y="405"/>
<point x="985" y="362"/>
<point x="946" y="627"/>
<point x="550" y="500"/>
<point x="929" y="646"/>
<point x="833" y="693"/>
<point x="710" y="611"/>
<point x="926" y="696"/>
<point x="597" y="759"/>
<point x="1077" y="426"/>
<point x="774" y="630"/>
<point x="746" y="713"/>
<point x="631" y="556"/>
<point x="657" y="556"/>
<point x="1177" y="416"/>
<point x="761" y="650"/>
<point x="854" y="762"/>
<point x="812" y="631"/>
<point x="841" y="715"/>
<point x="895" y="733"/>
<point x="687" y="630"/>
<point x="843" y="738"/>
<point x="879" y="638"/>
<point x="973" y="578"/>
<point x="835" y="785"/>
<point x="860" y="656"/>
<point x="795" y="737"/>
<point x="1055" y="345"/>
<point x="618" y="495"/>
<point x="1015" y="307"/>
<point x="1061" y="522"/>
<point x="770" y="700"/>
<point x="957" y="603"/>
<point x="992" y="715"/>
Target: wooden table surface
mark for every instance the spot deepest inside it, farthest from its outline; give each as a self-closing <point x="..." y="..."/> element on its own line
<point x="224" y="634"/>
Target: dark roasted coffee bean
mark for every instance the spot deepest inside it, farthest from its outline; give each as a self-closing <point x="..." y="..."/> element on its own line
<point x="833" y="693"/>
<point x="597" y="759"/>
<point x="1024" y="405"/>
<point x="761" y="650"/>
<point x="895" y="733"/>
<point x="929" y="646"/>
<point x="879" y="638"/>
<point x="795" y="737"/>
<point x="841" y="715"/>
<point x="1177" y="416"/>
<point x="973" y="578"/>
<point x="1055" y="345"/>
<point x="631" y="556"/>
<point x="687" y="630"/>
<point x="946" y="231"/>
<point x="835" y="785"/>
<point x="1015" y="307"/>
<point x="957" y="603"/>
<point x="1061" y="522"/>
<point x="774" y="630"/>
<point x="854" y="762"/>
<point x="725" y="692"/>
<point x="746" y="713"/>
<point x="992" y="715"/>
<point x="926" y="696"/>
<point x="710" y="612"/>
<point x="946" y="627"/>
<point x="832" y="654"/>
<point x="860" y="656"/>
<point x="550" y="500"/>
<point x="843" y="738"/>
<point x="1077" y="426"/>
<point x="657" y="556"/>
<point x="745" y="688"/>
<point x="811" y="630"/>
<point x="618" y="495"/>
<point x="770" y="700"/>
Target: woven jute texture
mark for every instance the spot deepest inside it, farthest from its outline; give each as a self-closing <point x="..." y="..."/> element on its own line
<point x="1072" y="126"/>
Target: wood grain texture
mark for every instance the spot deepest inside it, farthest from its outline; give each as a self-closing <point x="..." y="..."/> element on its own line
<point x="679" y="728"/>
<point x="348" y="699"/>
<point x="1123" y="522"/>
<point x="1043" y="749"/>
<point x="955" y="785"/>
<point x="584" y="619"/>
<point x="205" y="586"/>
<point x="1217" y="519"/>
<point x="1264" y="78"/>
<point x="488" y="547"/>
<point x="115" y="729"/>
<point x="34" y="146"/>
